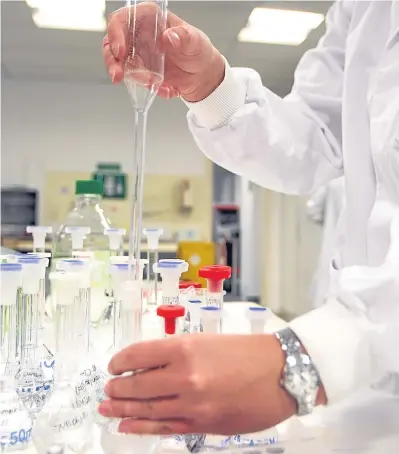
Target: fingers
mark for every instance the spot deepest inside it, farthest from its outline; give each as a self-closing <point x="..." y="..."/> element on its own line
<point x="146" y="385"/>
<point x="143" y="426"/>
<point x="117" y="33"/>
<point x="144" y="355"/>
<point x="115" y="68"/>
<point x="188" y="47"/>
<point x="154" y="409"/>
<point x="167" y="92"/>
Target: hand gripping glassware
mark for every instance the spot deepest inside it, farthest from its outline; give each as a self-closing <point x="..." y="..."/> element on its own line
<point x="15" y="423"/>
<point x="32" y="386"/>
<point x="67" y="417"/>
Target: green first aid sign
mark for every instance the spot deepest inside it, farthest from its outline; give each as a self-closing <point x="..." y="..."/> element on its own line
<point x="113" y="179"/>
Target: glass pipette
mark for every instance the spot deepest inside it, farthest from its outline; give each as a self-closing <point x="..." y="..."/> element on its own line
<point x="15" y="423"/>
<point x="67" y="416"/>
<point x="113" y="442"/>
<point x="32" y="386"/>
<point x="143" y="75"/>
<point x="153" y="236"/>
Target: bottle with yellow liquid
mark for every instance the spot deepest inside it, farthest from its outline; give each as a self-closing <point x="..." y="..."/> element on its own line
<point x="87" y="216"/>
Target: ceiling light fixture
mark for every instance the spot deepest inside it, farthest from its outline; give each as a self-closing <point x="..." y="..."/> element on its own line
<point x="87" y="15"/>
<point x="277" y="26"/>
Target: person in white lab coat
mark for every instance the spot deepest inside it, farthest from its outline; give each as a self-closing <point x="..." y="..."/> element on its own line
<point x="341" y="117"/>
<point x="325" y="208"/>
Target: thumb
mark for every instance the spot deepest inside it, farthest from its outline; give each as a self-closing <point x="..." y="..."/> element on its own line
<point x="187" y="47"/>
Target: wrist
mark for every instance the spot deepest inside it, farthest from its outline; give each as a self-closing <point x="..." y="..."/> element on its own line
<point x="209" y="80"/>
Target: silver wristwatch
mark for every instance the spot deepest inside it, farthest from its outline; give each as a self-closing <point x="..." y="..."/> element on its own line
<point x="300" y="377"/>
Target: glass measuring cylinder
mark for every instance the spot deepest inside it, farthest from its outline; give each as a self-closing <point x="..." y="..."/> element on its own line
<point x="15" y="423"/>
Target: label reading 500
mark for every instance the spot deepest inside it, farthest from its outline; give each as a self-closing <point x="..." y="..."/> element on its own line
<point x="17" y="437"/>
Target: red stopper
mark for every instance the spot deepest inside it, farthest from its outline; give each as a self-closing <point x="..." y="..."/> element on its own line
<point x="186" y="284"/>
<point x="170" y="313"/>
<point x="215" y="275"/>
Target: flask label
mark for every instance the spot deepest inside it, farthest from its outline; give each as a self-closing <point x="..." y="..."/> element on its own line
<point x="16" y="437"/>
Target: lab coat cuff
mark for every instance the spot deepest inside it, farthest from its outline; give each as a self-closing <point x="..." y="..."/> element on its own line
<point x="335" y="340"/>
<point x="219" y="107"/>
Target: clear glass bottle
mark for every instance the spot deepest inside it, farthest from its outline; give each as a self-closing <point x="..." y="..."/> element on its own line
<point x="88" y="212"/>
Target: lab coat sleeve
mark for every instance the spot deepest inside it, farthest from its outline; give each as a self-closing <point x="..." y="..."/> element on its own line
<point x="290" y="145"/>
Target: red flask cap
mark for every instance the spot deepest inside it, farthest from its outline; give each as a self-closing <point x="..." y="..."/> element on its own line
<point x="215" y="274"/>
<point x="170" y="313"/>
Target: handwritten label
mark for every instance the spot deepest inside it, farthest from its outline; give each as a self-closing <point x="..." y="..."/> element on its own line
<point x="16" y="437"/>
<point x="72" y="423"/>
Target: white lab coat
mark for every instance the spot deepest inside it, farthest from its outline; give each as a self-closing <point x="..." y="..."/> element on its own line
<point x="325" y="207"/>
<point x="342" y="117"/>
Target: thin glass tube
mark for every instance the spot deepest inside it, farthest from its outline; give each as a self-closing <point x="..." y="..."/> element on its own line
<point x="140" y="130"/>
<point x="152" y="280"/>
<point x="29" y="322"/>
<point x="66" y="342"/>
<point x="82" y="306"/>
<point x="144" y="72"/>
<point x="8" y="317"/>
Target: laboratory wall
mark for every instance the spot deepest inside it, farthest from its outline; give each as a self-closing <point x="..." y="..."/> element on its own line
<point x="50" y="126"/>
<point x="290" y="245"/>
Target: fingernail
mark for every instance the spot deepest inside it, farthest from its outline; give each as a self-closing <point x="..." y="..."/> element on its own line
<point x="174" y="39"/>
<point x="105" y="408"/>
<point x="115" y="50"/>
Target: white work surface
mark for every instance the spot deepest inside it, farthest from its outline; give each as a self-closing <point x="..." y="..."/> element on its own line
<point x="366" y="424"/>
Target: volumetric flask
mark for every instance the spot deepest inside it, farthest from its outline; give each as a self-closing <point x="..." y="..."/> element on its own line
<point x="145" y="58"/>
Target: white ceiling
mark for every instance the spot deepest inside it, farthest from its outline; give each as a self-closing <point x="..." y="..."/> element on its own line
<point x="30" y="53"/>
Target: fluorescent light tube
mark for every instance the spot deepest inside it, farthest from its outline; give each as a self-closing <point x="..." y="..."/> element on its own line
<point x="87" y="15"/>
<point x="276" y="26"/>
